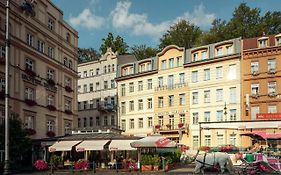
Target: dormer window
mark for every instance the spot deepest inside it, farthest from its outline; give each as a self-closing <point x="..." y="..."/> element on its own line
<point x="195" y="57"/>
<point x="142" y="67"/>
<point x="204" y="55"/>
<point x="219" y="51"/>
<point x="263" y="42"/>
<point x="278" y="40"/>
<point x="149" y="66"/>
<point x="229" y="50"/>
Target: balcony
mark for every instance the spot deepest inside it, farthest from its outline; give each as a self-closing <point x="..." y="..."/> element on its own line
<point x="107" y="107"/>
<point x="172" y="128"/>
<point x="171" y="87"/>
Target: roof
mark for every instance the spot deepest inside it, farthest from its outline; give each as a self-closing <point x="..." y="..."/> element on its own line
<point x="123" y="59"/>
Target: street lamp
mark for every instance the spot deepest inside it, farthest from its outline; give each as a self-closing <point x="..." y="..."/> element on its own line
<point x="7" y="40"/>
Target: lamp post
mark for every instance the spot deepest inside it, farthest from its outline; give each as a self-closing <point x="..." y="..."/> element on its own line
<point x="7" y="41"/>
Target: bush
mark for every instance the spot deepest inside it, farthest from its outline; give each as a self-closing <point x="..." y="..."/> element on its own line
<point x="156" y="160"/>
<point x="82" y="164"/>
<point x="41" y="165"/>
<point x="55" y="160"/>
<point x="146" y="159"/>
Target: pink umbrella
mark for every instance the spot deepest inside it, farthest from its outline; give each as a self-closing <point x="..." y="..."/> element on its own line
<point x="154" y="141"/>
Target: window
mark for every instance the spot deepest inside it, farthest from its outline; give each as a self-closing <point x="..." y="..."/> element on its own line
<point x="132" y="124"/>
<point x="131" y="107"/>
<point x="195" y="57"/>
<point x="112" y="100"/>
<point x="29" y="64"/>
<point x="50" y="125"/>
<point x="50" y="74"/>
<point x="207" y="140"/>
<point x="51" y="24"/>
<point x="68" y="37"/>
<point x="219" y="95"/>
<point x="194" y="76"/>
<point x="91" y="72"/>
<point x="160" y="120"/>
<point x="149" y="66"/>
<point x="67" y="127"/>
<point x="131" y="70"/>
<point x="272" y="88"/>
<point x="123" y="107"/>
<point x="170" y="81"/>
<point x="91" y="104"/>
<point x="254" y="111"/>
<point x="97" y="71"/>
<point x="219" y="51"/>
<point x="195" y="142"/>
<point x="109" y="68"/>
<point x="91" y="122"/>
<point x="229" y="50"/>
<point x="131" y="87"/>
<point x="97" y="86"/>
<point x="112" y="120"/>
<point x="163" y="64"/>
<point x="207" y="96"/>
<point x="142" y="67"/>
<point x="254" y="67"/>
<point x="160" y="102"/>
<point x="271" y="65"/>
<point x="220" y="139"/>
<point x="140" y="104"/>
<point x="204" y="55"/>
<point x="206" y="74"/>
<point x="123" y="125"/>
<point x="195" y="117"/>
<point x="262" y="43"/>
<point x="85" y="74"/>
<point x="112" y="84"/>
<point x="179" y="61"/>
<point x="105" y="84"/>
<point x="51" y="52"/>
<point x="149" y="84"/>
<point x="29" y="122"/>
<point x="232" y="72"/>
<point x="123" y="90"/>
<point x="149" y="103"/>
<point x="70" y="64"/>
<point x="85" y="88"/>
<point x="272" y="108"/>
<point x="65" y="61"/>
<point x="79" y="122"/>
<point x="182" y="118"/>
<point x="91" y="87"/>
<point x="105" y="121"/>
<point x="232" y="114"/>
<point x="255" y="89"/>
<point x="104" y="70"/>
<point x="232" y="95"/>
<point x="29" y="93"/>
<point x="207" y="116"/>
<point x="40" y="46"/>
<point x="2" y="84"/>
<point x="2" y="52"/>
<point x="51" y="100"/>
<point x="171" y="100"/>
<point x="278" y="41"/>
<point x="67" y="104"/>
<point x="97" y="121"/>
<point x="219" y="115"/>
<point x="140" y="85"/>
<point x="182" y="81"/>
<point x="140" y="122"/>
<point x="172" y="121"/>
<point x="29" y="39"/>
<point x="160" y="82"/>
<point x="150" y="124"/>
<point x="232" y="139"/>
<point x="182" y="99"/>
<point x="219" y="72"/>
<point x="171" y="63"/>
<point x="194" y="97"/>
<point x="85" y="105"/>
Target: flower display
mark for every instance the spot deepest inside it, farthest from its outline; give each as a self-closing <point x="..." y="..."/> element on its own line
<point x="30" y="102"/>
<point x="30" y="72"/>
<point x="157" y="126"/>
<point x="68" y="89"/>
<point x="82" y="164"/>
<point x="180" y="125"/>
<point x="67" y="111"/>
<point x="51" y="134"/>
<point x="41" y="165"/>
<point x="51" y="82"/>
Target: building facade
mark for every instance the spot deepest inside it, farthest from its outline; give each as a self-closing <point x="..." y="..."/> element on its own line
<point x="43" y="67"/>
<point x="215" y="88"/>
<point x="171" y="95"/>
<point x="97" y="101"/>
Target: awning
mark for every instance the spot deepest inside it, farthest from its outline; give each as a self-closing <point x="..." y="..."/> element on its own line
<point x="63" y="145"/>
<point x="87" y="145"/>
<point x="263" y="135"/>
<point x="154" y="141"/>
<point x="121" y="145"/>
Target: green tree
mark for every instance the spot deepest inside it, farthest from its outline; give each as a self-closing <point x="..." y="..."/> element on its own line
<point x="182" y="34"/>
<point x="142" y="51"/>
<point x="271" y="22"/>
<point x="116" y="44"/>
<point x="87" y="54"/>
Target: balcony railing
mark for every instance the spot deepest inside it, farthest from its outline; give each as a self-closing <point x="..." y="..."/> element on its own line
<point x="171" y="87"/>
<point x="108" y="107"/>
<point x="175" y="127"/>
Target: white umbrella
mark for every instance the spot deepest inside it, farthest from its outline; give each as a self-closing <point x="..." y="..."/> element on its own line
<point x="154" y="141"/>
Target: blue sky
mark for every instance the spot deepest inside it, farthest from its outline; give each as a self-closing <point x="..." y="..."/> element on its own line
<point x="145" y="21"/>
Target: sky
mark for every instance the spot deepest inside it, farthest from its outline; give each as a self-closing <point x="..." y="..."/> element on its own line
<point x="141" y="22"/>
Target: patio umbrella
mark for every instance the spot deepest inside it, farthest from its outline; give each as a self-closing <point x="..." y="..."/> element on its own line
<point x="154" y="141"/>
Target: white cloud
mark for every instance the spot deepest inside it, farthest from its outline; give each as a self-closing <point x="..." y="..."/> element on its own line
<point x="122" y="19"/>
<point x="87" y="19"/>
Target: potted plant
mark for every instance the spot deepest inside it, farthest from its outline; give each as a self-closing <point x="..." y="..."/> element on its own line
<point x="30" y="102"/>
<point x="156" y="162"/>
<point x="82" y="164"/>
<point x="51" y="134"/>
<point x="55" y="161"/>
<point x="146" y="163"/>
<point x="51" y="82"/>
<point x="68" y="89"/>
<point x="180" y="125"/>
<point x="168" y="163"/>
<point x="157" y="126"/>
<point x="41" y="165"/>
<point x="67" y="111"/>
<point x="51" y="107"/>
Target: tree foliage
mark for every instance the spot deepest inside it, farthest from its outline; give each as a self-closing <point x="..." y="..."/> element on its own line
<point x="117" y="44"/>
<point x="142" y="51"/>
<point x="182" y="34"/>
<point x="87" y="54"/>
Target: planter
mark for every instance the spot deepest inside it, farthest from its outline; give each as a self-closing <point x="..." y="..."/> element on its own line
<point x="146" y="168"/>
<point x="51" y="134"/>
<point x="51" y="107"/>
<point x="180" y="125"/>
<point x="30" y="131"/>
<point x="30" y="72"/>
<point x="68" y="89"/>
<point x="51" y="82"/>
<point x="155" y="167"/>
<point x="69" y="112"/>
<point x="30" y="102"/>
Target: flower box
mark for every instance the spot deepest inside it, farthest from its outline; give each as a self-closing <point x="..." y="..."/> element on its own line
<point x="51" y="134"/>
<point x="41" y="165"/>
<point x="68" y="89"/>
<point x="51" y="82"/>
<point x="30" y="131"/>
<point x="69" y="112"/>
<point x="180" y="125"/>
<point x="146" y="168"/>
<point x="51" y="107"/>
<point x="30" y="102"/>
<point x="30" y="72"/>
<point x="82" y="164"/>
<point x="157" y="126"/>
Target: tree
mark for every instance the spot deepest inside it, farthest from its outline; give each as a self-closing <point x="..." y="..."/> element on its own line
<point x="116" y="44"/>
<point x="142" y="51"/>
<point x="88" y="54"/>
<point x="182" y="34"/>
<point x="271" y="22"/>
